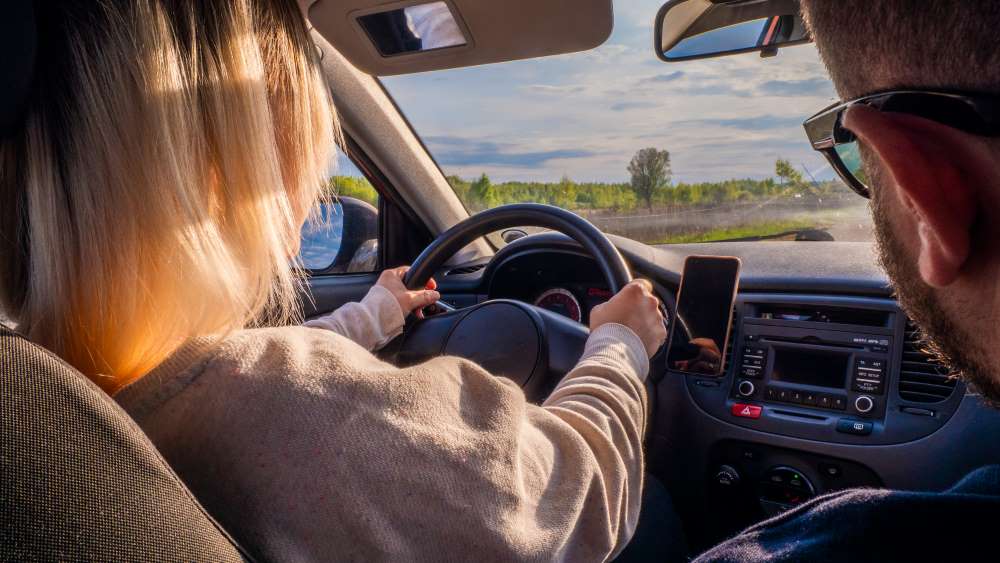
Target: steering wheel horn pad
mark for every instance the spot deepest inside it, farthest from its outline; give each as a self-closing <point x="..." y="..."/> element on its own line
<point x="515" y="336"/>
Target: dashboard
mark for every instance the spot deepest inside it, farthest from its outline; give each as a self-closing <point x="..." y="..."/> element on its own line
<point x="565" y="283"/>
<point x="825" y="386"/>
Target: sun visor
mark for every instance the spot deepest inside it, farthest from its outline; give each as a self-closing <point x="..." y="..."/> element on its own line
<point x="385" y="39"/>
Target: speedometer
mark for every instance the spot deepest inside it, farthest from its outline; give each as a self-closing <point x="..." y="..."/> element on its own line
<point x="559" y="300"/>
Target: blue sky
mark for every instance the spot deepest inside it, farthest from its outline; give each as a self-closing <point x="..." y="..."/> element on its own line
<point x="585" y="114"/>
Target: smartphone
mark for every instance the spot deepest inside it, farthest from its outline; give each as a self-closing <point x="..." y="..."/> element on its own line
<point x="699" y="330"/>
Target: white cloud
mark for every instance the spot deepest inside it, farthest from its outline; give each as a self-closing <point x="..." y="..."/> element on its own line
<point x="719" y="118"/>
<point x="551" y="89"/>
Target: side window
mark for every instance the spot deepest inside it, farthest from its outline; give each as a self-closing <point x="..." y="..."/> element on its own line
<point x="343" y="238"/>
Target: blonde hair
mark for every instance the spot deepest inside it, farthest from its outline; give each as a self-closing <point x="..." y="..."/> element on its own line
<point x="167" y="161"/>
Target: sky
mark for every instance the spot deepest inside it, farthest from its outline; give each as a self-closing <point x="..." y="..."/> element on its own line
<point x="584" y="115"/>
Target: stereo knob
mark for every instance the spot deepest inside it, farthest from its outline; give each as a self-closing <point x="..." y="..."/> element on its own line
<point x="727" y="476"/>
<point x="864" y="404"/>
<point x="746" y="388"/>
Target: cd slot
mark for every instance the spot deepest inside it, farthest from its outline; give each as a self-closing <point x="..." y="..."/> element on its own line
<point x="809" y="341"/>
<point x="822" y="314"/>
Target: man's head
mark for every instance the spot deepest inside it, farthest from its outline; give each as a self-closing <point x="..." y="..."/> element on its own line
<point x="935" y="190"/>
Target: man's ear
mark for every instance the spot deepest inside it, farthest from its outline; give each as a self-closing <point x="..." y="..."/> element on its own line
<point x="938" y="172"/>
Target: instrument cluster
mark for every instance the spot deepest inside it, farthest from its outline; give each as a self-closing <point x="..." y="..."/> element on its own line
<point x="574" y="303"/>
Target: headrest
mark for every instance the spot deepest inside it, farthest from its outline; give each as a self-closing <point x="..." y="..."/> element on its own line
<point x="18" y="46"/>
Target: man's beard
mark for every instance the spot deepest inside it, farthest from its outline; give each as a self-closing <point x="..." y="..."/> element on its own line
<point x="945" y="338"/>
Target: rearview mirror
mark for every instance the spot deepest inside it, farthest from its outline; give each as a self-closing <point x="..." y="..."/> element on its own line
<point x="700" y="29"/>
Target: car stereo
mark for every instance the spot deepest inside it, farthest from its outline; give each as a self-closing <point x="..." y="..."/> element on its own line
<point x="837" y="369"/>
<point x="830" y="370"/>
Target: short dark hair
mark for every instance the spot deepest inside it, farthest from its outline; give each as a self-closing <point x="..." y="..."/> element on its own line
<point x="871" y="45"/>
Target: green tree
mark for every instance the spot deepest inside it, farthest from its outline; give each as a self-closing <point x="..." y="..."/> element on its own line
<point x="565" y="193"/>
<point x="481" y="192"/>
<point x="650" y="170"/>
<point x="462" y="189"/>
<point x="352" y="186"/>
<point x="788" y="175"/>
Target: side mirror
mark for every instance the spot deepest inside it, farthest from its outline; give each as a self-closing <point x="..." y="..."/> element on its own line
<point x="699" y="29"/>
<point x="345" y="240"/>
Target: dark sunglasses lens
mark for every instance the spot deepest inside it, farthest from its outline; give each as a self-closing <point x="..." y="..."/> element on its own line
<point x="850" y="157"/>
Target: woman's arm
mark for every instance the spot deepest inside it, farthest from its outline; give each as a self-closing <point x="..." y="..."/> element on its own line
<point x="319" y="451"/>
<point x="603" y="401"/>
<point x="380" y="316"/>
<point x="371" y="323"/>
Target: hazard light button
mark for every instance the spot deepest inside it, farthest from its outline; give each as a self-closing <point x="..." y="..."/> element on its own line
<point x="746" y="411"/>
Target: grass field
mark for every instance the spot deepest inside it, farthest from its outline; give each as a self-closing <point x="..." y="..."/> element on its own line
<point x="762" y="229"/>
<point x="844" y="220"/>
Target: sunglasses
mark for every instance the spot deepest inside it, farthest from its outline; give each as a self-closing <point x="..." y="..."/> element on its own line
<point x="977" y="114"/>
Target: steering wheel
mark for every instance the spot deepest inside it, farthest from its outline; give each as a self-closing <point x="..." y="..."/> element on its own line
<point x="532" y="346"/>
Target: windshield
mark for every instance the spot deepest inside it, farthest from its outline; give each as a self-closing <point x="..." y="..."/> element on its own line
<point x="662" y="153"/>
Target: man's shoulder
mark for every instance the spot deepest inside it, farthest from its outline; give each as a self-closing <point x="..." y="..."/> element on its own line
<point x="877" y="524"/>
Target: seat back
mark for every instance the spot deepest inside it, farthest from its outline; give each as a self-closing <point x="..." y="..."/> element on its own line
<point x="80" y="481"/>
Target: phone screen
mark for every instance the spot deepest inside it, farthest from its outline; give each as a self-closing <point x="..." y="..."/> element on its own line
<point x="704" y="311"/>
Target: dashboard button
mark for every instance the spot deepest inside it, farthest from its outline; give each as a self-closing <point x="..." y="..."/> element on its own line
<point x="727" y="476"/>
<point x="809" y="398"/>
<point x="795" y="397"/>
<point x="865" y="385"/>
<point x="839" y="402"/>
<point x="771" y="393"/>
<point x="750" y="371"/>
<point x="864" y="404"/>
<point x="745" y="411"/>
<point x="746" y="388"/>
<point x="830" y="470"/>
<point x="856" y="427"/>
<point x="824" y="401"/>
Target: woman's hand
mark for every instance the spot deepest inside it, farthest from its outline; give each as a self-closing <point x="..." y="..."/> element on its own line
<point x="637" y="307"/>
<point x="409" y="301"/>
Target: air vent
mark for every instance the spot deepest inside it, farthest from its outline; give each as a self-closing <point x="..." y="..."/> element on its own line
<point x="465" y="270"/>
<point x="730" y="346"/>
<point x="921" y="378"/>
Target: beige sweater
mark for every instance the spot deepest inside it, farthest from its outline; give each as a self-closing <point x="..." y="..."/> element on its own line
<point x="308" y="448"/>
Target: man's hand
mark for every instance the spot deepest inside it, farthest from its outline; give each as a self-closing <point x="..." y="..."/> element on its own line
<point x="708" y="360"/>
<point x="637" y="307"/>
<point x="409" y="301"/>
